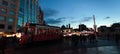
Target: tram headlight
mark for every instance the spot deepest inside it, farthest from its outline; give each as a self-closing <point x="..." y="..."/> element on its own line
<point x="18" y="35"/>
<point x="70" y="34"/>
<point x="64" y="35"/>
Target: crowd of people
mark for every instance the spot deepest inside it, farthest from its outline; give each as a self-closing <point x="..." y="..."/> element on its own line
<point x="82" y="38"/>
<point x="2" y="44"/>
<point x="5" y="41"/>
<point x="92" y="38"/>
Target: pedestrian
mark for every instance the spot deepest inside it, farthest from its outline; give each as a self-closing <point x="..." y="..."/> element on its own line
<point x="3" y="45"/>
<point x="80" y="37"/>
<point x="92" y="38"/>
<point x="84" y="38"/>
<point x="108" y="36"/>
<point x="15" y="40"/>
<point x="75" y="39"/>
<point x="117" y="37"/>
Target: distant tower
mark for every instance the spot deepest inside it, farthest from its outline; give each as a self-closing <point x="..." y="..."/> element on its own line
<point x="80" y="27"/>
<point x="95" y="26"/>
<point x="69" y="25"/>
<point x="66" y="26"/>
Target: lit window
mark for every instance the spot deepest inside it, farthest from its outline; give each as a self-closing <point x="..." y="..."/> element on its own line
<point x="10" y="20"/>
<point x="5" y="3"/>
<point x="3" y="10"/>
<point x="11" y="13"/>
<point x="2" y="18"/>
<point x="12" y="6"/>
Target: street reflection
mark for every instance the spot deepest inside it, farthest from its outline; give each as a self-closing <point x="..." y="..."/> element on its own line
<point x="67" y="46"/>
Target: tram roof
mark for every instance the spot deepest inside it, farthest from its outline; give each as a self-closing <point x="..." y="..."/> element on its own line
<point x="41" y="25"/>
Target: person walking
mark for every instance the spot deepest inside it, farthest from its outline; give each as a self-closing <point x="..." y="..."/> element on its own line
<point x="3" y="44"/>
<point x="75" y="39"/>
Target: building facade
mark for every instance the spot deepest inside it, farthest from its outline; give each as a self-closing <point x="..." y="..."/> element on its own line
<point x="28" y="11"/>
<point x="8" y="15"/>
<point x="15" y="13"/>
<point x="41" y="17"/>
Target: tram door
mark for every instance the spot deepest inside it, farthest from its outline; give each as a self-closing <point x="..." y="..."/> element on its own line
<point x="31" y="33"/>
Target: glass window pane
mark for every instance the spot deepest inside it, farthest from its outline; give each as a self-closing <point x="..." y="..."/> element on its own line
<point x="11" y="13"/>
<point x="2" y="18"/>
<point x="5" y="3"/>
<point x="4" y="10"/>
<point x="12" y="6"/>
<point x="10" y="20"/>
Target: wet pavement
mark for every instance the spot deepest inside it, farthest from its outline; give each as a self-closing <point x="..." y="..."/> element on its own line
<point x="102" y="46"/>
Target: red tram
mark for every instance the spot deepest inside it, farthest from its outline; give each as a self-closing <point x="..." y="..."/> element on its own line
<point x="36" y="33"/>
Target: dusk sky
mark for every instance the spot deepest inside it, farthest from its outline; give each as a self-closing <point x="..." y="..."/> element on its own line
<point x="74" y="12"/>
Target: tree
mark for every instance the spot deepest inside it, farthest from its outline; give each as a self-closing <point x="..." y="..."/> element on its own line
<point x="115" y="25"/>
<point x="82" y="27"/>
<point x="102" y="28"/>
<point x="63" y="27"/>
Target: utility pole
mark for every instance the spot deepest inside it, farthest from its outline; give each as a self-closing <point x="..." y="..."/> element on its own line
<point x="95" y="27"/>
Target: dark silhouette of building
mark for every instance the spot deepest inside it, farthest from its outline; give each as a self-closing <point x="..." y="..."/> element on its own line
<point x="116" y="25"/>
<point x="68" y="25"/>
<point x="41" y="17"/>
<point x="82" y="27"/>
<point x="102" y="28"/>
<point x="109" y="31"/>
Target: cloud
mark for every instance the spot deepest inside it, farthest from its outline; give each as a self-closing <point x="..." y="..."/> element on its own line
<point x="107" y="17"/>
<point x="61" y="20"/>
<point x="74" y="21"/>
<point x="53" y="21"/>
<point x="48" y="12"/>
<point x="58" y="20"/>
<point x="65" y="18"/>
<point x="86" y="19"/>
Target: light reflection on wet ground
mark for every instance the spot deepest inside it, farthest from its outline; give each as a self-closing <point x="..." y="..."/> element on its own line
<point x="94" y="50"/>
<point x="67" y="47"/>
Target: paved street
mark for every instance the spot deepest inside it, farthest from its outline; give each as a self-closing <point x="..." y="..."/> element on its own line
<point x="103" y="46"/>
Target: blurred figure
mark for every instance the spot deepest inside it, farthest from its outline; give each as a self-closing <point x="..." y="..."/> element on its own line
<point x="117" y="37"/>
<point x="15" y="40"/>
<point x="75" y="39"/>
<point x="108" y="36"/>
<point x="83" y="38"/>
<point x="3" y="44"/>
<point x="92" y="38"/>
